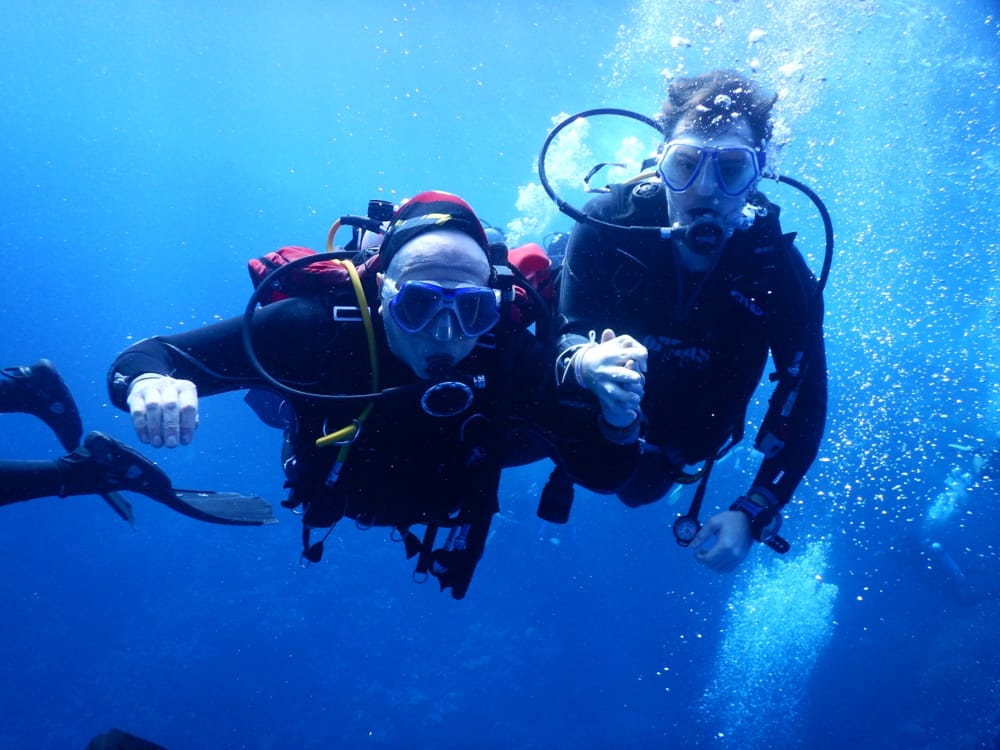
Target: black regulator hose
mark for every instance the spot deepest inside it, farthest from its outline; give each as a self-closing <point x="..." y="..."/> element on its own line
<point x="575" y="213"/>
<point x="267" y="285"/>
<point x="824" y="273"/>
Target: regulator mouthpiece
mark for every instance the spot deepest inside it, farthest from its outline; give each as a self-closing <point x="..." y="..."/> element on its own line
<point x="704" y="236"/>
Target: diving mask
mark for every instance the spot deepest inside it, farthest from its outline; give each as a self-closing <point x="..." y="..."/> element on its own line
<point x="415" y="304"/>
<point x="736" y="168"/>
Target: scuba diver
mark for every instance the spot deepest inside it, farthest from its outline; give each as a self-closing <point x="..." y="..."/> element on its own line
<point x="102" y="465"/>
<point x="407" y="388"/>
<point x="693" y="263"/>
<point x="957" y="556"/>
<point x="952" y="578"/>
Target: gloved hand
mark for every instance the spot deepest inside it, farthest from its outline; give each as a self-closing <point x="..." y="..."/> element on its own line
<point x="723" y="541"/>
<point x="614" y="370"/>
<point x="164" y="410"/>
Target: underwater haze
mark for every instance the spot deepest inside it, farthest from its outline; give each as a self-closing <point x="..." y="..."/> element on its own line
<point x="151" y="148"/>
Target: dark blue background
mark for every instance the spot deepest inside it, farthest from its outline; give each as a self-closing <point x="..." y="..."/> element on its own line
<point x="150" y="148"/>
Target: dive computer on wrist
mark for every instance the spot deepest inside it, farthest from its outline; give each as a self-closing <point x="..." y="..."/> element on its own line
<point x="765" y="522"/>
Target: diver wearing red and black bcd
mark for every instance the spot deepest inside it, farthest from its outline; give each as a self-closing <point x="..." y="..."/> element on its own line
<point x="429" y="450"/>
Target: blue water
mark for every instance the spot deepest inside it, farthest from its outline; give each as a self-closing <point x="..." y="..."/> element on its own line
<point x="150" y="148"/>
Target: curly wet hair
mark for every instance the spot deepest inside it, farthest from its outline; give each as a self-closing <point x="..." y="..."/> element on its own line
<point x="712" y="100"/>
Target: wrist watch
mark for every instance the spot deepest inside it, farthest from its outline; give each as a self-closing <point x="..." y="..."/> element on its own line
<point x="765" y="522"/>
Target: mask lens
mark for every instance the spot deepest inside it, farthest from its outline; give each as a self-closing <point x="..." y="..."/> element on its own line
<point x="736" y="169"/>
<point x="680" y="165"/>
<point x="415" y="305"/>
<point x="477" y="309"/>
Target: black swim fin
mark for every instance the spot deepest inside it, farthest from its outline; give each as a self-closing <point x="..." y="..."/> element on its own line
<point x="121" y="506"/>
<point x="230" y="508"/>
<point x="113" y="463"/>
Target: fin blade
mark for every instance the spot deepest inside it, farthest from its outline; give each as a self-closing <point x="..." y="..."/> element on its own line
<point x="121" y="506"/>
<point x="229" y="508"/>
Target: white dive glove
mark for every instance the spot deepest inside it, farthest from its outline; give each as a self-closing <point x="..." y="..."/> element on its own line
<point x="614" y="370"/>
<point x="164" y="410"/>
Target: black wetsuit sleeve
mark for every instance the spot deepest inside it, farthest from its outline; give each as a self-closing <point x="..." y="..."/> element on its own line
<point x="288" y="337"/>
<point x="796" y="334"/>
<point x="598" y="464"/>
<point x="569" y="427"/>
<point x="584" y="294"/>
<point x="586" y="297"/>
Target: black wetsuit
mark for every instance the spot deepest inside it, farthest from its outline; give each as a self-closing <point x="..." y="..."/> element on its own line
<point x="405" y="467"/>
<point x="708" y="336"/>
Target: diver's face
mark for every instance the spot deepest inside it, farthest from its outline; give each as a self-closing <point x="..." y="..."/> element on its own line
<point x="705" y="199"/>
<point x="447" y="259"/>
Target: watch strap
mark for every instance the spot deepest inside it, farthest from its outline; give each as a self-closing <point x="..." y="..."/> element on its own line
<point x="761" y="515"/>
